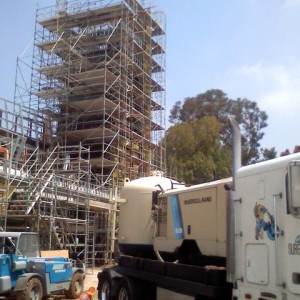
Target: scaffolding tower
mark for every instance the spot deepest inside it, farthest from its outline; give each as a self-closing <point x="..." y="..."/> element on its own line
<point x="99" y="72"/>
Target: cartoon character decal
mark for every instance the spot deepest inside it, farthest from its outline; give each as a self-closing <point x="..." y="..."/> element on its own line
<point x="264" y="222"/>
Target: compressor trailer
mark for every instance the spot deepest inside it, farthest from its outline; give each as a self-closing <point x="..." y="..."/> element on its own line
<point x="236" y="238"/>
<point x="143" y="272"/>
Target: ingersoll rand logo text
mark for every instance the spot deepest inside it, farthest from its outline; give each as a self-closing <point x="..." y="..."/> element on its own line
<point x="198" y="200"/>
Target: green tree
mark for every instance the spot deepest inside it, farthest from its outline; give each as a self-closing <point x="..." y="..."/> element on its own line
<point x="216" y="103"/>
<point x="195" y="153"/>
<point x="268" y="154"/>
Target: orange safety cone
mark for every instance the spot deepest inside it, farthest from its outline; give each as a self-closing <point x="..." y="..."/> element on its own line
<point x="88" y="294"/>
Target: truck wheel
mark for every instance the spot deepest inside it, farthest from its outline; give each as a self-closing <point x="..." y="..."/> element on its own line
<point x="128" y="290"/>
<point x="76" y="286"/>
<point x="105" y="287"/>
<point x="32" y="291"/>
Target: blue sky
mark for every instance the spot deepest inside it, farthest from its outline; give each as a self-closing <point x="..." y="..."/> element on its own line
<point x="247" y="48"/>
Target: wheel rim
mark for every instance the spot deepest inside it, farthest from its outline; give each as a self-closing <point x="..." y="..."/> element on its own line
<point x="35" y="293"/>
<point x="105" y="291"/>
<point x="123" y="294"/>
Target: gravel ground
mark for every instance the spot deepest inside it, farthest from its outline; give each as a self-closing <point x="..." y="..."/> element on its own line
<point x="91" y="279"/>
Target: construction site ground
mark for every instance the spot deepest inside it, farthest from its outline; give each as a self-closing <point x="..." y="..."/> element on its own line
<point x="91" y="280"/>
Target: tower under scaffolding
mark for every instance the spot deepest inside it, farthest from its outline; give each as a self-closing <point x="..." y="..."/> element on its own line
<point x="99" y="72"/>
<point x="91" y="117"/>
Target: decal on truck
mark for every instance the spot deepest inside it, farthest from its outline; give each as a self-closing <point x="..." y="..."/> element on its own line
<point x="177" y="217"/>
<point x="264" y="222"/>
<point x="294" y="248"/>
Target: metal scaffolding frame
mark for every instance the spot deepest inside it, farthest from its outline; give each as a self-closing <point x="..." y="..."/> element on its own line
<point x="50" y="190"/>
<point x="94" y="109"/>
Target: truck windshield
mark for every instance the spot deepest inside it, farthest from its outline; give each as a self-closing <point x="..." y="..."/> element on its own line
<point x="28" y="246"/>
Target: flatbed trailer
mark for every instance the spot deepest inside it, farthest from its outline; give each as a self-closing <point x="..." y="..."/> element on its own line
<point x="141" y="278"/>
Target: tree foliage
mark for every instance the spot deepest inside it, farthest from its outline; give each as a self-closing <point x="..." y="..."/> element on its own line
<point x="195" y="153"/>
<point x="216" y="103"/>
<point x="268" y="154"/>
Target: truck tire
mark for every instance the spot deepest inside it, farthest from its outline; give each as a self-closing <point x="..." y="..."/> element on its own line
<point x="32" y="291"/>
<point x="128" y="289"/>
<point x="76" y="286"/>
<point x="106" y="286"/>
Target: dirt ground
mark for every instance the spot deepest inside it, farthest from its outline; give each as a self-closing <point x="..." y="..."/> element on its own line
<point x="91" y="280"/>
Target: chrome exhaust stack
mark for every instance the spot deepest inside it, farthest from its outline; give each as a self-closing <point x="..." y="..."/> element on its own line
<point x="236" y="164"/>
<point x="236" y="149"/>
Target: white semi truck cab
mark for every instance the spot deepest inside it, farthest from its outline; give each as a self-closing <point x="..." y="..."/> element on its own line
<point x="267" y="229"/>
